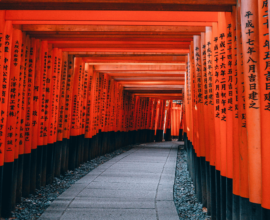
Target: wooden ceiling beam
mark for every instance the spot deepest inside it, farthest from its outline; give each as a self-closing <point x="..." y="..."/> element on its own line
<point x="157" y="91"/>
<point x="131" y="58"/>
<point x="152" y="82"/>
<point x="104" y="36"/>
<point x="124" y="46"/>
<point x="152" y="89"/>
<point x="132" y="62"/>
<point x="153" y="86"/>
<point x="105" y="23"/>
<point x="109" y="38"/>
<point x="145" y="50"/>
<point x="168" y="63"/>
<point x="109" y="28"/>
<point x="113" y="16"/>
<point x="180" y="5"/>
<point x="129" y="42"/>
<point x="140" y="72"/>
<point x="146" y="76"/>
<point x="167" y="68"/>
<point x="134" y="53"/>
<point x="161" y="78"/>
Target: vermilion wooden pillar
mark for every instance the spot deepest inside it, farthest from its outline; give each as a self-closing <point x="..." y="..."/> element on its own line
<point x="217" y="100"/>
<point x="236" y="116"/>
<point x="11" y="71"/>
<point x="21" y="125"/>
<point x="41" y="149"/>
<point x="28" y="118"/>
<point x="206" y="119"/>
<point x="222" y="62"/>
<point x="265" y="103"/>
<point x="211" y="117"/>
<point x="243" y="150"/>
<point x="251" y="67"/>
<point x="200" y="109"/>
<point x="62" y="100"/>
<point x="229" y="117"/>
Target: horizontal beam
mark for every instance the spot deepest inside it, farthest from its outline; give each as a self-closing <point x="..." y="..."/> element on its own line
<point x="163" y="78"/>
<point x="161" y="63"/>
<point x="138" y="23"/>
<point x="158" y="91"/>
<point x="124" y="46"/>
<point x="139" y="68"/>
<point x="123" y="28"/>
<point x="158" y="94"/>
<point x="141" y="75"/>
<point x="154" y="87"/>
<point x="134" y="50"/>
<point x="130" y="58"/>
<point x="112" y="35"/>
<point x="180" y="5"/>
<point x="104" y="53"/>
<point x="132" y="62"/>
<point x="152" y="82"/>
<point x="118" y="42"/>
<point x="113" y="16"/>
<point x="179" y="87"/>
<point x="140" y="72"/>
<point x="109" y="38"/>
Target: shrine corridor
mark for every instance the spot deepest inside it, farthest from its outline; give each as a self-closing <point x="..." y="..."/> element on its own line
<point x="82" y="79"/>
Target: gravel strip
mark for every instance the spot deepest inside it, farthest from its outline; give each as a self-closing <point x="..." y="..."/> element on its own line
<point x="33" y="206"/>
<point x="187" y="206"/>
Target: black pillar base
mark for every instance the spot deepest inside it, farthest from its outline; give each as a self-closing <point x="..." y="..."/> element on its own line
<point x="72" y="153"/>
<point x="14" y="184"/>
<point x="208" y="187"/>
<point x="67" y="154"/>
<point x="198" y="179"/>
<point x="39" y="166"/>
<point x="180" y="137"/>
<point x="63" y="156"/>
<point x="203" y="181"/>
<point x="223" y="197"/>
<point x="159" y="136"/>
<point x="255" y="211"/>
<point x="265" y="214"/>
<point x="8" y="185"/>
<point x="19" y="179"/>
<point x="33" y="171"/>
<point x="244" y="209"/>
<point x="1" y="187"/>
<point x="113" y="141"/>
<point x="44" y="166"/>
<point x="229" y="198"/>
<point x="26" y="175"/>
<point x="82" y="149"/>
<point x="50" y="162"/>
<point x="168" y="135"/>
<point x="236" y="207"/>
<point x="218" y="199"/>
<point x="212" y="173"/>
<point x="58" y="153"/>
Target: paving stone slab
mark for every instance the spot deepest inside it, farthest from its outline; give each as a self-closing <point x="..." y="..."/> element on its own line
<point x="109" y="214"/>
<point x="112" y="203"/>
<point x="117" y="186"/>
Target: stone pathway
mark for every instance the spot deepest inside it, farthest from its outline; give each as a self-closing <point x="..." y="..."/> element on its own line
<point x="137" y="184"/>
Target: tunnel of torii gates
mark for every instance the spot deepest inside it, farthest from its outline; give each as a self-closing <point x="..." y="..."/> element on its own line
<point x="83" y="78"/>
